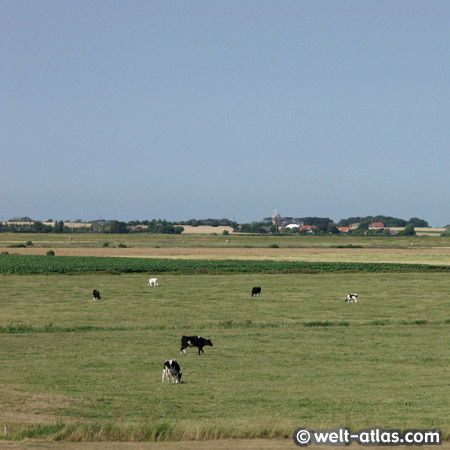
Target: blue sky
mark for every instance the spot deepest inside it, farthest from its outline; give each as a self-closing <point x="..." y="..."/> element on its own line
<point x="224" y="109"/>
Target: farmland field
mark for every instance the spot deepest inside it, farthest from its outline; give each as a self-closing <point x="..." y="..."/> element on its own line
<point x="78" y="370"/>
<point x="426" y="250"/>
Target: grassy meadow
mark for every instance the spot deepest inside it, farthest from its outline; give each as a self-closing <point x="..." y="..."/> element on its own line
<point x="298" y="355"/>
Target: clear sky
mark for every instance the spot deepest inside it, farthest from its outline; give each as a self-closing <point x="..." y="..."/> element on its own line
<point x="224" y="109"/>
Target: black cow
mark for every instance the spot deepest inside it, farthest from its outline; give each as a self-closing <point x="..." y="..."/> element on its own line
<point x="256" y="291"/>
<point x="96" y="294"/>
<point x="194" y="341"/>
<point x="172" y="369"/>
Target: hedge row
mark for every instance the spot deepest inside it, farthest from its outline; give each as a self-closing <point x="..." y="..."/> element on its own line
<point x="27" y="264"/>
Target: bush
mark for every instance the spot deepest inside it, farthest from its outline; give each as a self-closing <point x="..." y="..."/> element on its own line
<point x="50" y="253"/>
<point x="17" y="246"/>
<point x="29" y="244"/>
<point x="122" y="245"/>
<point x="408" y="231"/>
<point x="105" y="244"/>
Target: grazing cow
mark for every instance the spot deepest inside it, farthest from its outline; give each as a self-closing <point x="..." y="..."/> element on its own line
<point x="153" y="282"/>
<point x="194" y="341"/>
<point x="171" y="369"/>
<point x="352" y="298"/>
<point x="256" y="291"/>
<point x="96" y="294"/>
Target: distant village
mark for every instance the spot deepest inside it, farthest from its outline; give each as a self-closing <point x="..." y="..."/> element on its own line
<point x="367" y="226"/>
<point x="286" y="224"/>
<point x="274" y="224"/>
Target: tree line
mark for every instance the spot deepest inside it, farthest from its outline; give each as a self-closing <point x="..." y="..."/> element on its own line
<point x="317" y="225"/>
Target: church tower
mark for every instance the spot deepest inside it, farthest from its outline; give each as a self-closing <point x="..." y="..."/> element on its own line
<point x="276" y="218"/>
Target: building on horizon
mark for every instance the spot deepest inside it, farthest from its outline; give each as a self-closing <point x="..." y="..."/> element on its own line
<point x="276" y="218"/>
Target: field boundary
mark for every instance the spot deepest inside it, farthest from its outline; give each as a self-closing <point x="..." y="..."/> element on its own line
<point x="21" y="328"/>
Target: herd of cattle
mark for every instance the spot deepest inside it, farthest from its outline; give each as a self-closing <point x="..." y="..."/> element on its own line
<point x="171" y="366"/>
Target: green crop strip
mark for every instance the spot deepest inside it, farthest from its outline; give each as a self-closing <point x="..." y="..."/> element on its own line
<point x="32" y="264"/>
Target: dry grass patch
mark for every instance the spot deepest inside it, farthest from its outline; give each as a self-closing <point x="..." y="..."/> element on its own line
<point x="436" y="256"/>
<point x="30" y="408"/>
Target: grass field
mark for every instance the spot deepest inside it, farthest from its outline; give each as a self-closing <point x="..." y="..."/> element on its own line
<point x="74" y="369"/>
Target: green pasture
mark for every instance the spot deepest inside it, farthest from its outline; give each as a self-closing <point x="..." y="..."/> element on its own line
<point x="97" y="240"/>
<point x="297" y="355"/>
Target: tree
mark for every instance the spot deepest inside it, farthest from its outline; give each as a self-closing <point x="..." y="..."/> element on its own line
<point x="418" y="223"/>
<point x="21" y="219"/>
<point x="332" y="228"/>
<point x="117" y="227"/>
<point x="163" y="227"/>
<point x="408" y="231"/>
<point x="39" y="227"/>
<point x="58" y="227"/>
<point x="363" y="226"/>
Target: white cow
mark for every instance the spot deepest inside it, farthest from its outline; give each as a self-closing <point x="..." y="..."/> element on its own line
<point x="352" y="298"/>
<point x="153" y="282"/>
<point x="172" y="369"/>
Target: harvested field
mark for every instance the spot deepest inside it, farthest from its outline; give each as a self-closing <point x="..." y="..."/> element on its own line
<point x="437" y="256"/>
<point x="205" y="230"/>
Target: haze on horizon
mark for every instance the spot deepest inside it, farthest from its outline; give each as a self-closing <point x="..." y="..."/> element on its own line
<point x="181" y="110"/>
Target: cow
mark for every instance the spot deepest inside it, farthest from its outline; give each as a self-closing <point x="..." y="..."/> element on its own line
<point x="171" y="369"/>
<point x="194" y="341"/>
<point x="352" y="298"/>
<point x="256" y="291"/>
<point x="153" y="282"/>
<point x="96" y="294"/>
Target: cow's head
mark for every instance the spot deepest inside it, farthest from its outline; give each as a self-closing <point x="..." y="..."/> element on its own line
<point x="208" y="342"/>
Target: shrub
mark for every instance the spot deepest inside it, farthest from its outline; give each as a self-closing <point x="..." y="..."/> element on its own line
<point x="29" y="244"/>
<point x="105" y="244"/>
<point x="50" y="253"/>
<point x="408" y="231"/>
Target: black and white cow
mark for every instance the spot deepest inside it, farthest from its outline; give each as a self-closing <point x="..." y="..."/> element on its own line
<point x="194" y="341"/>
<point x="256" y="291"/>
<point x="171" y="369"/>
<point x="96" y="294"/>
<point x="352" y="298"/>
